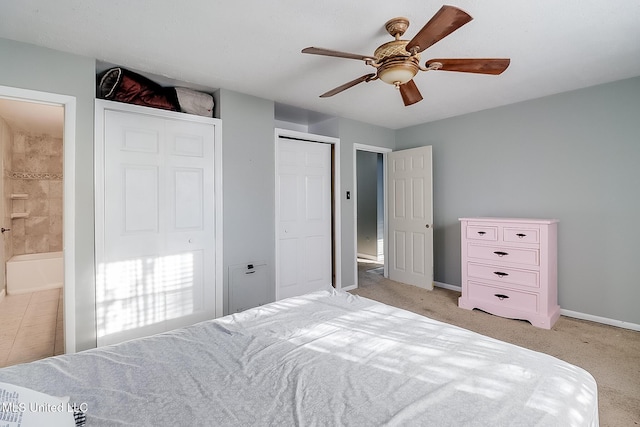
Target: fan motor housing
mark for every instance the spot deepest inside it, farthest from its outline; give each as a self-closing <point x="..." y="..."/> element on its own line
<point x="392" y="49"/>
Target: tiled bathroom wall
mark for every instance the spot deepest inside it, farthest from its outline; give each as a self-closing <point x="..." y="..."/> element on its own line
<point x="36" y="171"/>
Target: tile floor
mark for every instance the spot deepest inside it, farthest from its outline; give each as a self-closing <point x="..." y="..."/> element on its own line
<point x="31" y="326"/>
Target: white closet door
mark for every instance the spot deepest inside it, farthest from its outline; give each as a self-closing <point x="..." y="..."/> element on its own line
<point x="157" y="271"/>
<point x="411" y="216"/>
<point x="303" y="195"/>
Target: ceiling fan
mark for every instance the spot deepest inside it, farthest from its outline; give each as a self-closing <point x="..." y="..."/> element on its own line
<point x="398" y="61"/>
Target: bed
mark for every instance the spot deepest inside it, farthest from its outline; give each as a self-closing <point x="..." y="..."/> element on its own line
<point x="327" y="358"/>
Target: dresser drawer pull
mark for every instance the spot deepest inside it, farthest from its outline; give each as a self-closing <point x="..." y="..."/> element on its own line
<point x="482" y="233"/>
<point x="501" y="296"/>
<point x="500" y="253"/>
<point x="520" y="235"/>
<point x="500" y="274"/>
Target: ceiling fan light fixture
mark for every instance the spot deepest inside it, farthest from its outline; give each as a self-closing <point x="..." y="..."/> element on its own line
<point x="398" y="72"/>
<point x="397" y="62"/>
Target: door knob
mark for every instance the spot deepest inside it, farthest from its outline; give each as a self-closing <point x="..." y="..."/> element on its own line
<point x="2" y="230"/>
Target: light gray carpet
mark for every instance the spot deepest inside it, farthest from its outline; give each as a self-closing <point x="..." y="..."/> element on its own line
<point x="610" y="354"/>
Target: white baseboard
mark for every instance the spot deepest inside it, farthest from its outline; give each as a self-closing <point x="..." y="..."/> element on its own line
<point x="367" y="256"/>
<point x="447" y="286"/>
<point x="568" y="313"/>
<point x="598" y="319"/>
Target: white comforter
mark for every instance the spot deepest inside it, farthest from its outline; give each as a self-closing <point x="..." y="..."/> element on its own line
<point x="323" y="359"/>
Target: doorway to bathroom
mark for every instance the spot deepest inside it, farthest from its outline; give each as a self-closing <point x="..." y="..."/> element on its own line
<point x="33" y="200"/>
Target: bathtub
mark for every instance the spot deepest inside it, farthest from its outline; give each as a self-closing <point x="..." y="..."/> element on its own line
<point x="34" y="272"/>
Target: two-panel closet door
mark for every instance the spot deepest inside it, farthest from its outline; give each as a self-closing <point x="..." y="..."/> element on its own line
<point x="303" y="196"/>
<point x="157" y="271"/>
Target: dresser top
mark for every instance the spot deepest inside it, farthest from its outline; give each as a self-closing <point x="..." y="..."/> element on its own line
<point x="519" y="220"/>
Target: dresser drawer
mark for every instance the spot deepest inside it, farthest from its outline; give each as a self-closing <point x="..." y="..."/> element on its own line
<point x="528" y="278"/>
<point x="507" y="298"/>
<point x="521" y="235"/>
<point x="497" y="253"/>
<point x="482" y="232"/>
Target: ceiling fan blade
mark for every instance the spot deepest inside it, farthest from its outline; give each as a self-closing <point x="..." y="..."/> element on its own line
<point x="410" y="93"/>
<point x="493" y="66"/>
<point x="336" y="53"/>
<point x="365" y="78"/>
<point x="444" y="22"/>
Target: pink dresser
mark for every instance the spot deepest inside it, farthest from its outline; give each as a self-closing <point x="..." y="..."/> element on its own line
<point x="510" y="268"/>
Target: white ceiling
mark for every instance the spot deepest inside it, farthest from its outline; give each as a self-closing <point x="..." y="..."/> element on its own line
<point x="254" y="47"/>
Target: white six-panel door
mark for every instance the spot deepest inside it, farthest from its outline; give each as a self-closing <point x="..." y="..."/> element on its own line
<point x="410" y="247"/>
<point x="156" y="270"/>
<point x="303" y="196"/>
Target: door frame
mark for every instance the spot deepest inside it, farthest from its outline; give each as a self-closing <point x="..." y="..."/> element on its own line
<point x="379" y="150"/>
<point x="69" y="198"/>
<point x="336" y="240"/>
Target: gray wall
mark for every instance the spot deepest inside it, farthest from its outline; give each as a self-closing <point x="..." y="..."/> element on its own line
<point x="354" y="132"/>
<point x="573" y="156"/>
<point x="31" y="67"/>
<point x="248" y="147"/>
<point x="327" y="127"/>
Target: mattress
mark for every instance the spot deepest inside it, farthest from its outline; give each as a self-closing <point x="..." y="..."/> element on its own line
<point x="324" y="359"/>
